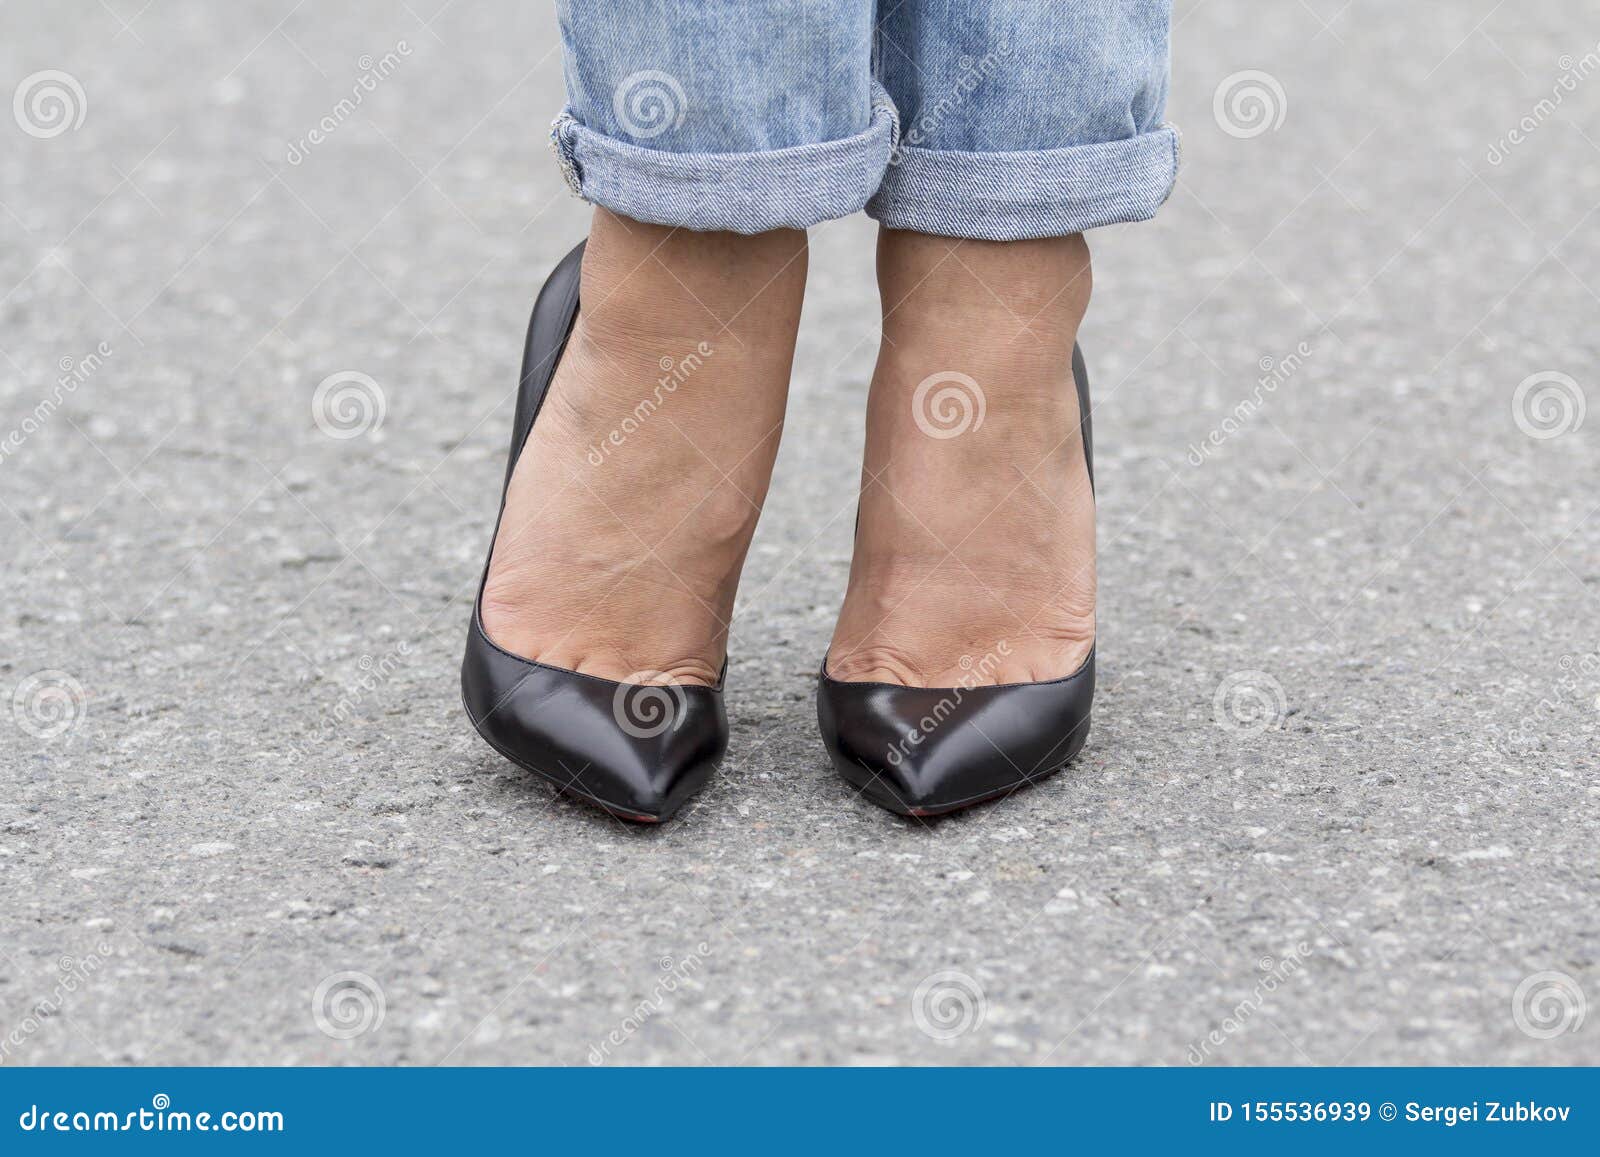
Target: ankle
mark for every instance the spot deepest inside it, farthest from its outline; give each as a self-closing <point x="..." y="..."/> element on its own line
<point x="1018" y="295"/>
<point x="620" y="365"/>
<point x="648" y="285"/>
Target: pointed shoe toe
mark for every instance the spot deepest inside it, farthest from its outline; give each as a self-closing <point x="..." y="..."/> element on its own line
<point x="925" y="751"/>
<point x="639" y="751"/>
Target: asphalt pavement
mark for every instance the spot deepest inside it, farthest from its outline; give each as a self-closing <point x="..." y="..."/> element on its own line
<point x="1340" y="805"/>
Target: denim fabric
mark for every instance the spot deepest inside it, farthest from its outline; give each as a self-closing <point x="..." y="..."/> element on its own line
<point x="995" y="119"/>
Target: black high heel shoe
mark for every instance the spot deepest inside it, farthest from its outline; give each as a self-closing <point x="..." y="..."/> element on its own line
<point x="925" y="751"/>
<point x="637" y="750"/>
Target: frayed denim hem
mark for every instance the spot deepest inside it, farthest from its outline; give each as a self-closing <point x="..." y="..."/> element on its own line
<point x="792" y="188"/>
<point x="1014" y="196"/>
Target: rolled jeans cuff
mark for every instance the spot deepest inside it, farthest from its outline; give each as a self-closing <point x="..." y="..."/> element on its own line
<point x="751" y="192"/>
<point x="1014" y="196"/>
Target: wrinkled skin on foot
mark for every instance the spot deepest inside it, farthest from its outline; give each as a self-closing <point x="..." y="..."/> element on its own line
<point x="974" y="558"/>
<point x="631" y="509"/>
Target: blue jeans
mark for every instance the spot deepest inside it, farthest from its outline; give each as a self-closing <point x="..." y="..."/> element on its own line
<point x="994" y="119"/>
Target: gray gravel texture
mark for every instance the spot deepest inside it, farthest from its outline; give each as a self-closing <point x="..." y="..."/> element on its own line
<point x="236" y="769"/>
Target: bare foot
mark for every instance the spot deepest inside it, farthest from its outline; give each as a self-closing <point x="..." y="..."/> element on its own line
<point x="974" y="559"/>
<point x="632" y="505"/>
